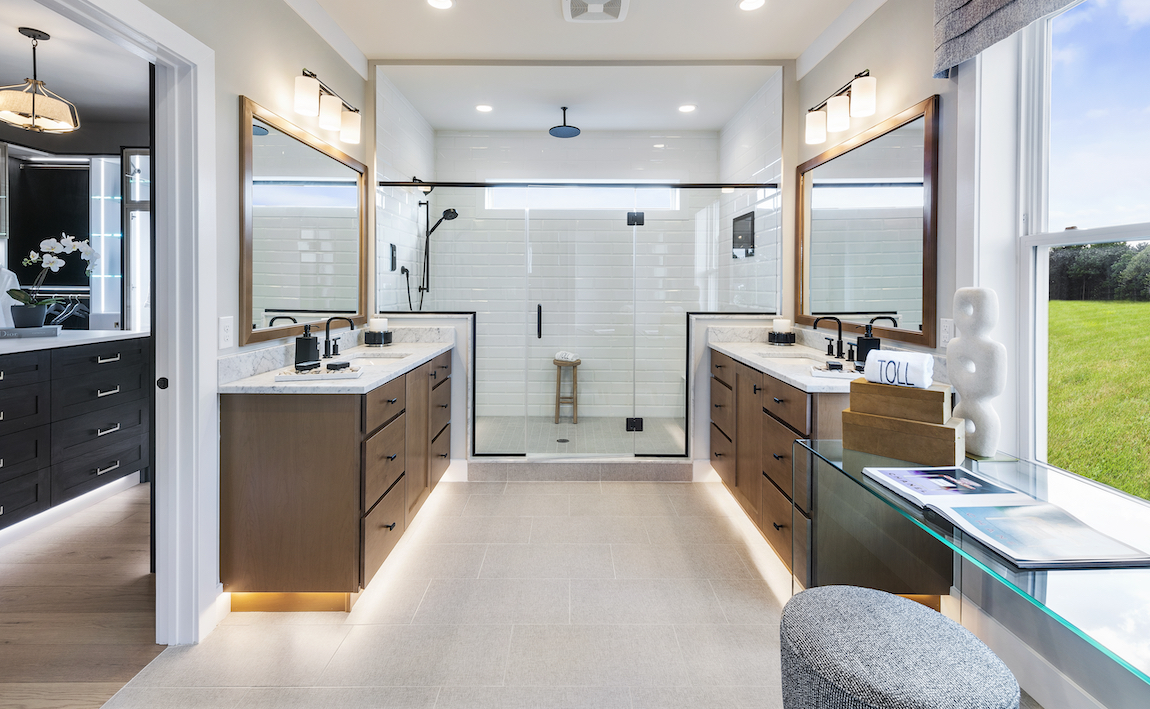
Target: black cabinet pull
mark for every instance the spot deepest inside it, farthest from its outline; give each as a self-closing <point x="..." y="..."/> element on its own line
<point x="442" y="455"/>
<point x="432" y="374"/>
<point x="756" y="388"/>
<point x="777" y="400"/>
<point x="777" y="527"/>
<point x="718" y="406"/>
<point x="778" y="457"/>
<point x="444" y="406"/>
<point x="539" y="321"/>
<point x="718" y="366"/>
<point x="392" y="456"/>
<point x="392" y="401"/>
<point x="389" y="527"/>
<point x="718" y="455"/>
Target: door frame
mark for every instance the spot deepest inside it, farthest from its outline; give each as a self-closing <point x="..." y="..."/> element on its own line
<point x="189" y="597"/>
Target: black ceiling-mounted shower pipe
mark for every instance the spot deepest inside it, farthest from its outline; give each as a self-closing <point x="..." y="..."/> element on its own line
<point x="420" y="184"/>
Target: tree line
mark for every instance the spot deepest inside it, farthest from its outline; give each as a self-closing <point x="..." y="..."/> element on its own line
<point x="1118" y="271"/>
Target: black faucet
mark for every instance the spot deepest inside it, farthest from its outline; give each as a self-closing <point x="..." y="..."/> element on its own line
<point x="884" y="317"/>
<point x="839" y="353"/>
<point x="328" y="351"/>
<point x="279" y="317"/>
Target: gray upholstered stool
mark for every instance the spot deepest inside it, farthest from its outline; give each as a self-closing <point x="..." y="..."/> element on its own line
<point x="856" y="648"/>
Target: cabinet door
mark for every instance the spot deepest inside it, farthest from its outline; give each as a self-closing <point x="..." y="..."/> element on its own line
<point x="23" y="497"/>
<point x="723" y="407"/>
<point x="100" y="389"/>
<point x="24" y="407"/>
<point x="24" y="368"/>
<point x="418" y="442"/>
<point x="748" y="447"/>
<point x="382" y="528"/>
<point x="384" y="460"/>
<point x="723" y="456"/>
<point x="440" y="455"/>
<point x="440" y="413"/>
<point x="24" y="452"/>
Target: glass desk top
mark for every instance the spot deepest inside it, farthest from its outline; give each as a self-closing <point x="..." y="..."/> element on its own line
<point x="1109" y="608"/>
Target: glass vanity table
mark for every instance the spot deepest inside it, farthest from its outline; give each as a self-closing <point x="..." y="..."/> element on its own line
<point x="1092" y="625"/>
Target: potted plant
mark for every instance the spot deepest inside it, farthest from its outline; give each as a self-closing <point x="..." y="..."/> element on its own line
<point x="32" y="309"/>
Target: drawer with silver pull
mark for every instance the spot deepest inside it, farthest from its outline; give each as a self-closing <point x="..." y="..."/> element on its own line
<point x="23" y="497"/>
<point x="91" y="431"/>
<point x="100" y="357"/>
<point x="24" y="368"/>
<point x="99" y="467"/>
<point x="24" y="452"/>
<point x="72" y="396"/>
<point x="24" y="407"/>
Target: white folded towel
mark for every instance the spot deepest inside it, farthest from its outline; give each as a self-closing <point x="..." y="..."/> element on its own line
<point x="565" y="356"/>
<point x="908" y="369"/>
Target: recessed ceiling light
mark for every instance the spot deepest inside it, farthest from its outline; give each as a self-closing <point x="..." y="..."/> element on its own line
<point x="440" y="4"/>
<point x="483" y="108"/>
<point x="687" y="108"/>
<point x="749" y="5"/>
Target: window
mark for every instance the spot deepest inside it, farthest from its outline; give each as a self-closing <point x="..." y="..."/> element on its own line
<point x="1091" y="267"/>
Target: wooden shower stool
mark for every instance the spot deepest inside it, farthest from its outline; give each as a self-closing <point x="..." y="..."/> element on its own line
<point x="574" y="398"/>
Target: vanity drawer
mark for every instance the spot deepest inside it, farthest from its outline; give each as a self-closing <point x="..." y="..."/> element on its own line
<point x="24" y="407"/>
<point x="384" y="403"/>
<point x="382" y="528"/>
<point x="790" y="405"/>
<point x="24" y="452"/>
<point x="72" y="396"/>
<point x="99" y="429"/>
<point x="723" y="406"/>
<point x="440" y="413"/>
<point x="722" y="367"/>
<point x="384" y="460"/>
<point x="24" y="368"/>
<point x="777" y="440"/>
<point x="440" y="455"/>
<point x="102" y="356"/>
<point x="77" y="476"/>
<point x="22" y="497"/>
<point x="441" y="367"/>
<point x="723" y="456"/>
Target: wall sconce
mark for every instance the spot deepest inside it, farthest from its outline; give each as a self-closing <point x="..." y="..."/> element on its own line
<point x="315" y="98"/>
<point x="31" y="105"/>
<point x="856" y="99"/>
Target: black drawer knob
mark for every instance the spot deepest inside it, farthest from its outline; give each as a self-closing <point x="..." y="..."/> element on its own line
<point x="718" y="455"/>
<point x="718" y="406"/>
<point x="777" y="400"/>
<point x="389" y="527"/>
<point x="777" y="456"/>
<point x="755" y="388"/>
<point x="778" y="527"/>
<point x="392" y="401"/>
<point x="393" y="456"/>
<point x="444" y="406"/>
<point x="442" y="455"/>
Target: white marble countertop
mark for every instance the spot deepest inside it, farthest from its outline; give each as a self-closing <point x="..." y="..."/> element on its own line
<point x="375" y="374"/>
<point x="789" y="364"/>
<point x="66" y="338"/>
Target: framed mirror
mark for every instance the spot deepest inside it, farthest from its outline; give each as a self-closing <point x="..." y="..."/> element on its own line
<point x="866" y="233"/>
<point x="303" y="251"/>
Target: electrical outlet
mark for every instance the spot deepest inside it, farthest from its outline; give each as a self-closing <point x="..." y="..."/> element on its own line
<point x="945" y="332"/>
<point x="227" y="335"/>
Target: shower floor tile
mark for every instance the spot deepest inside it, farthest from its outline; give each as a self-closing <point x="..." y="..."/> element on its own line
<point x="592" y="436"/>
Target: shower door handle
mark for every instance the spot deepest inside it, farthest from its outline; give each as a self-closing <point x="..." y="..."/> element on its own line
<point x="539" y="321"/>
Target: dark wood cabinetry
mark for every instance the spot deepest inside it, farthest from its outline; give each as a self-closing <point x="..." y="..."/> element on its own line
<point x="316" y="489"/>
<point x="71" y="420"/>
<point x="748" y="445"/>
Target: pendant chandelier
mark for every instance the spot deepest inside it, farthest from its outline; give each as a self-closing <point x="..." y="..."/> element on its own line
<point x="31" y="105"/>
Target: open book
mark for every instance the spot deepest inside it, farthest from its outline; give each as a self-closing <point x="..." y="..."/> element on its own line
<point x="1030" y="533"/>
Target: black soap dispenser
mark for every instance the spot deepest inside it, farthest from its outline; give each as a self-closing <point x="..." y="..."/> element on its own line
<point x="306" y="347"/>
<point x="867" y="342"/>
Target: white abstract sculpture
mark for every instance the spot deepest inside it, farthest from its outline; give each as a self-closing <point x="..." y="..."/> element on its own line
<point x="976" y="365"/>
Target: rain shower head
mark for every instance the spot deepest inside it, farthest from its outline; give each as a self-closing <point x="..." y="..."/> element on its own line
<point x="564" y="131"/>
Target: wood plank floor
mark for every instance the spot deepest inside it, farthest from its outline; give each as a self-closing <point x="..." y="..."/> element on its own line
<point x="78" y="607"/>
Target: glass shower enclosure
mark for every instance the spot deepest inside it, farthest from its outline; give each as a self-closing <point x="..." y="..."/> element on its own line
<point x="605" y="272"/>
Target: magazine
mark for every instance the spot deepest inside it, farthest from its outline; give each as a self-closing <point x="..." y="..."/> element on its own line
<point x="1028" y="532"/>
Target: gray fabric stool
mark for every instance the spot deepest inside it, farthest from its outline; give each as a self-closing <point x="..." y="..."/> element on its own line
<point x="856" y="648"/>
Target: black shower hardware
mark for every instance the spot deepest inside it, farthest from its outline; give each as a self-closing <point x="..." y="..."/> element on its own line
<point x="448" y="215"/>
<point x="830" y="344"/>
<point x="407" y="275"/>
<point x="328" y="350"/>
<point x="564" y="131"/>
<point x="539" y="321"/>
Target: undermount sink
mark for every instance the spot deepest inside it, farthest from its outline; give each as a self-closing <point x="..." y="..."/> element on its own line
<point x="787" y="353"/>
<point x="377" y="354"/>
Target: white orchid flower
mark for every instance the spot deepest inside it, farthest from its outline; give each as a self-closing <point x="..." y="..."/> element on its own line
<point x="53" y="262"/>
<point x="87" y="252"/>
<point x="51" y="246"/>
<point x="68" y="242"/>
<point x="33" y="257"/>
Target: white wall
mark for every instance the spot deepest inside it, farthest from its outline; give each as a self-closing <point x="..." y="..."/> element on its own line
<point x="405" y="148"/>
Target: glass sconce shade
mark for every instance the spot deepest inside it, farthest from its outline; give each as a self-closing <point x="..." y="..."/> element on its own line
<point x="816" y="127"/>
<point x="330" y="108"/>
<point x="307" y="95"/>
<point x="838" y="114"/>
<point x="349" y="127"/>
<point x="863" y="93"/>
<point x="52" y="114"/>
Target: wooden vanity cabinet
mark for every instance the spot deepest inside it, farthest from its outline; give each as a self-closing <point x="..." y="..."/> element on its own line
<point x="723" y="417"/>
<point x="748" y="446"/>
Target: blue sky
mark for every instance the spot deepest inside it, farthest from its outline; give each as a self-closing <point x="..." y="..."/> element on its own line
<point x="1100" y="115"/>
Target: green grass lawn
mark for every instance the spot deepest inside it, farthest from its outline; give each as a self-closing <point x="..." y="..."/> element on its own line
<point x="1099" y="392"/>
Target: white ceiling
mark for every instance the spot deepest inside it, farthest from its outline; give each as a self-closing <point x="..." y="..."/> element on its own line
<point x="107" y="83"/>
<point x="535" y="29"/>
<point x="598" y="98"/>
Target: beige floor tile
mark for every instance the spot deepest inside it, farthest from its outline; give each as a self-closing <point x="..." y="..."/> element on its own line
<point x="731" y="655"/>
<point x="703" y="504"/>
<point x="693" y="530"/>
<point x="553" y="488"/>
<point x="470" y="488"/>
<point x="548" y="561"/>
<point x="588" y="530"/>
<point x="182" y="698"/>
<point x="621" y="506"/>
<point x="476" y="530"/>
<point x="420" y="656"/>
<point x="687" y="697"/>
<point x="436" y="561"/>
<point x="748" y="601"/>
<point x="340" y="698"/>
<point x="595" y="656"/>
<point x="499" y="601"/>
<point x="258" y="618"/>
<point x="388" y="600"/>
<point x="518" y="505"/>
<point x="695" y="561"/>
<point x="633" y="487"/>
<point x="627" y="601"/>
<point x="534" y="698"/>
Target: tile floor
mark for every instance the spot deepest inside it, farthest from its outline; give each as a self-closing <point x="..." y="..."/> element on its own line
<point x="598" y="436"/>
<point x="540" y="595"/>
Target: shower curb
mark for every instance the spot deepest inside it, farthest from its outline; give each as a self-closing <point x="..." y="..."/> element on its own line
<point x="631" y="470"/>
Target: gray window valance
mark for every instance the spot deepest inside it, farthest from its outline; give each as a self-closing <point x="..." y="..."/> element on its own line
<point x="963" y="28"/>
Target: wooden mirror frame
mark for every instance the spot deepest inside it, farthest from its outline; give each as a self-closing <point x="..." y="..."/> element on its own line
<point x="250" y="110"/>
<point x="928" y="110"/>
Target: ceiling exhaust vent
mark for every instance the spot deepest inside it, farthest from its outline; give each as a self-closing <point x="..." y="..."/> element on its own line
<point x="583" y="11"/>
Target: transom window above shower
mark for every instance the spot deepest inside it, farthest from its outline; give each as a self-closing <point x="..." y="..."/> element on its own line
<point x="559" y="194"/>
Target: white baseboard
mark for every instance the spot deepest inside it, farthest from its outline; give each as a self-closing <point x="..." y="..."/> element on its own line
<point x="54" y="514"/>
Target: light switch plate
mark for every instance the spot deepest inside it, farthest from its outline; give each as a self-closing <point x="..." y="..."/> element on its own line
<point x="945" y="332"/>
<point x="227" y="334"/>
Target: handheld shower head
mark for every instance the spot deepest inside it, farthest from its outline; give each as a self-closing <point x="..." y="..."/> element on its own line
<point x="450" y="214"/>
